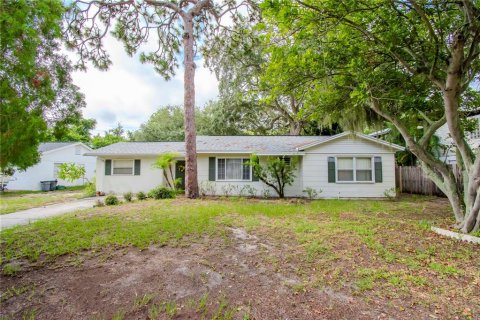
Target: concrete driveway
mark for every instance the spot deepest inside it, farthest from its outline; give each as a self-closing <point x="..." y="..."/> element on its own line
<point x="26" y="216"/>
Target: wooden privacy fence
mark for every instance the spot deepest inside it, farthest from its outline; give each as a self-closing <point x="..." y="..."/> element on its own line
<point x="413" y="180"/>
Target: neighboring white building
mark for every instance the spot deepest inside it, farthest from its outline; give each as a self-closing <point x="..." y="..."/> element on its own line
<point x="54" y="154"/>
<point x="473" y="139"/>
<point x="347" y="165"/>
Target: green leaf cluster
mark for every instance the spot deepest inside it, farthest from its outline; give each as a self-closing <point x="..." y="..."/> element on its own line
<point x="36" y="90"/>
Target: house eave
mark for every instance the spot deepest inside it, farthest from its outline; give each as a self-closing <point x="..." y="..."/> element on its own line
<point x="103" y="155"/>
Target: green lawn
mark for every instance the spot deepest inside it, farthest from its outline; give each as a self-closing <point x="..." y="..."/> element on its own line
<point x="12" y="201"/>
<point x="375" y="248"/>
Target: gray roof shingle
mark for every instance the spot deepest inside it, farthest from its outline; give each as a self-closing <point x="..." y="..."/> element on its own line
<point x="139" y="148"/>
<point x="49" y="146"/>
<point x="213" y="144"/>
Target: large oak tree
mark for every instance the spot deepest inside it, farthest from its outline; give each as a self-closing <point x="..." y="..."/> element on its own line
<point x="408" y="62"/>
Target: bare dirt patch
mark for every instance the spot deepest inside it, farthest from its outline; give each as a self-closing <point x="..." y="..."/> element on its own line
<point x="237" y="270"/>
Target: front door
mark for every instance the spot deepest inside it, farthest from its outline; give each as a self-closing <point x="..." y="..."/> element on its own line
<point x="180" y="174"/>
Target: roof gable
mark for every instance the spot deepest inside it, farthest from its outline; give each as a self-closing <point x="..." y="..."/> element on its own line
<point x="48" y="147"/>
<point x="352" y="134"/>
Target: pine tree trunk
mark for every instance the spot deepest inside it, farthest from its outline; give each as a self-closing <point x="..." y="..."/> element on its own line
<point x="191" y="182"/>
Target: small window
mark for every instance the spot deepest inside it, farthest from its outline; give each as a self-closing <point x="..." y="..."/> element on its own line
<point x="345" y="169"/>
<point x="233" y="169"/>
<point x="122" y="167"/>
<point x="78" y="150"/>
<point x="287" y="160"/>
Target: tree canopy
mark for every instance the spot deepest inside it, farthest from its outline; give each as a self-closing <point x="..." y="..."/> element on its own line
<point x="109" y="137"/>
<point x="166" y="124"/>
<point x="36" y="90"/>
<point x="411" y="63"/>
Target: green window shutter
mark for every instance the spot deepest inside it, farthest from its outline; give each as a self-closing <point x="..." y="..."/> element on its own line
<point x="254" y="176"/>
<point x="137" y="168"/>
<point x="331" y="169"/>
<point x="211" y="169"/>
<point x="378" y="169"/>
<point x="108" y="167"/>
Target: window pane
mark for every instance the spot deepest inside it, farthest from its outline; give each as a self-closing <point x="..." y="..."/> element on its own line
<point x="364" y="175"/>
<point x="246" y="169"/>
<point x="122" y="166"/>
<point x="364" y="163"/>
<point x="221" y="169"/>
<point x="345" y="175"/>
<point x="364" y="169"/>
<point x="234" y="169"/>
<point x="122" y="170"/>
<point x="345" y="163"/>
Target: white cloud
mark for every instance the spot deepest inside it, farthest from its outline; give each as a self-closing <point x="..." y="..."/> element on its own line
<point x="129" y="92"/>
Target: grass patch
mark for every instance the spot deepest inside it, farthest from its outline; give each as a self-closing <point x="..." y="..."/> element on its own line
<point x="13" y="201"/>
<point x="375" y="247"/>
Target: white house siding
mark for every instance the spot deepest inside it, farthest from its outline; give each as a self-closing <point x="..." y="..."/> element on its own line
<point x="44" y="170"/>
<point x="148" y="179"/>
<point x="315" y="168"/>
<point x="203" y="179"/>
<point x="473" y="139"/>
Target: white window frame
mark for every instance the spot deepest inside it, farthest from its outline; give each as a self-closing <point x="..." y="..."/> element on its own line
<point x="372" y="161"/>
<point x="122" y="174"/>
<point x="227" y="180"/>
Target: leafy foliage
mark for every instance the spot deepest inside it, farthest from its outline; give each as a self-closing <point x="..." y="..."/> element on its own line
<point x="79" y="130"/>
<point x="36" y="89"/>
<point x="111" y="200"/>
<point x="71" y="171"/>
<point x="110" y="137"/>
<point x="162" y="193"/>
<point x="240" y="57"/>
<point x="128" y="196"/>
<point x="165" y="162"/>
<point x="166" y="124"/>
<point x="410" y="63"/>
<point x="91" y="188"/>
<point x="275" y="172"/>
<point x="141" y="195"/>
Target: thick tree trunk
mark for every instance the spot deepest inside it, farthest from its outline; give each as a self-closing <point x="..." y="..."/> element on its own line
<point x="191" y="182"/>
<point x="465" y="208"/>
<point x="465" y="157"/>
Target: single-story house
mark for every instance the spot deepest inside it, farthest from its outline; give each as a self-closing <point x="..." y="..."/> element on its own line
<point x="346" y="165"/>
<point x="53" y="154"/>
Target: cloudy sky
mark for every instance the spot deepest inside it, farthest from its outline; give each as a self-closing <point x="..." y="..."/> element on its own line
<point x="129" y="92"/>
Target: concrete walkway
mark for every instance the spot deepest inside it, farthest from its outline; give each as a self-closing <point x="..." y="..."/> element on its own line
<point x="26" y="216"/>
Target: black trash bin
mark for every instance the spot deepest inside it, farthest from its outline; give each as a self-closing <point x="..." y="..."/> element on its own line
<point x="53" y="185"/>
<point x="45" y="185"/>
